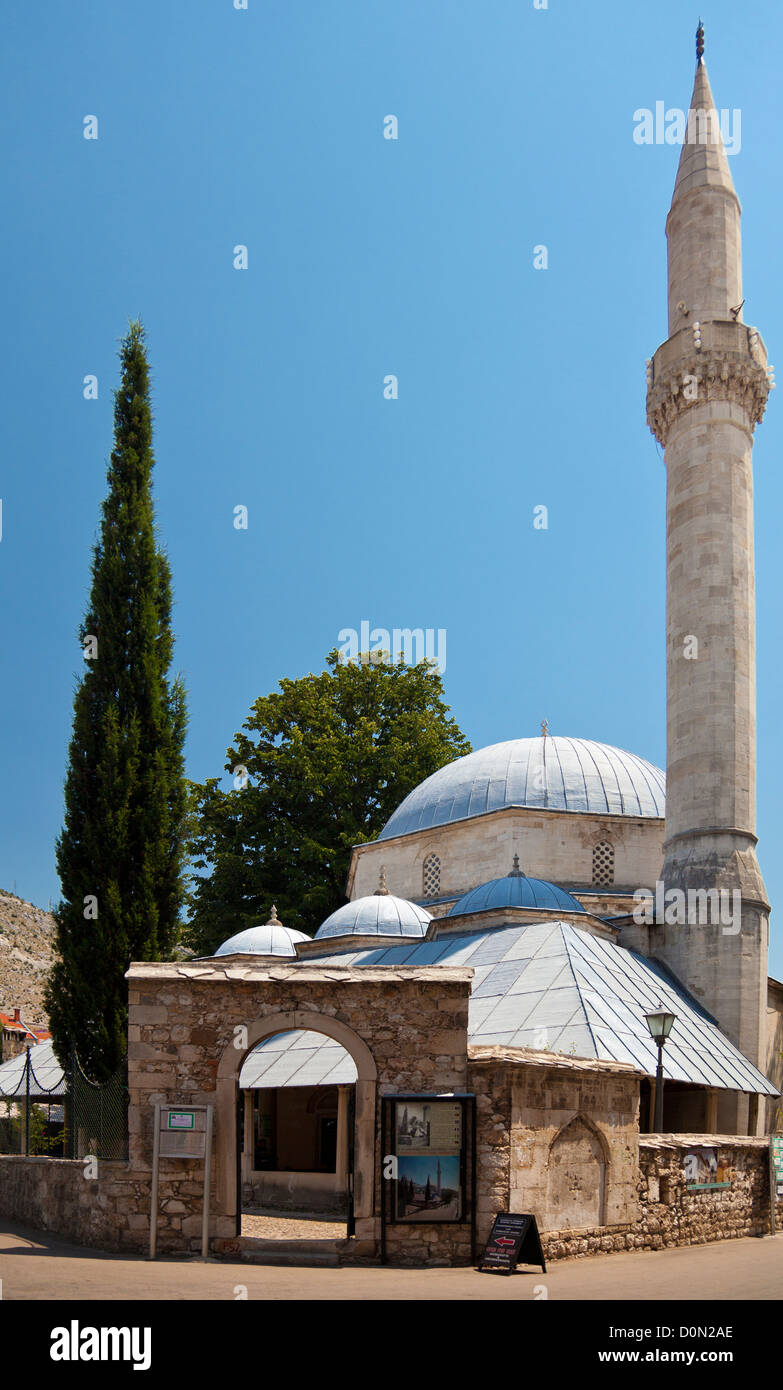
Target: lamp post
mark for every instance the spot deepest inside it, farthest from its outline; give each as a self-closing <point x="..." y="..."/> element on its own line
<point x="660" y="1026"/>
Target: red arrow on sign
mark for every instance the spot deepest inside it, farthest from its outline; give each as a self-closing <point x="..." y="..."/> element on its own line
<point x="503" y="1240"/>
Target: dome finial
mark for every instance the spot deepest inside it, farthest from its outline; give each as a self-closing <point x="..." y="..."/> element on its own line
<point x="699" y="43"/>
<point x="382" y="891"/>
<point x="274" y="920"/>
<point x="544" y="727"/>
<point x="516" y="872"/>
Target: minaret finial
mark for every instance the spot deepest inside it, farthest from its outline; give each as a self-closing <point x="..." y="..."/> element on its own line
<point x="699" y="43"/>
<point x="382" y="891"/>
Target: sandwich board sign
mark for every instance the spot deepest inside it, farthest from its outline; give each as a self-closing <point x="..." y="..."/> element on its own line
<point x="513" y="1240"/>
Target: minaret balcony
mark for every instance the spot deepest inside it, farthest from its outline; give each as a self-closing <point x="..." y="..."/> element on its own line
<point x="718" y="359"/>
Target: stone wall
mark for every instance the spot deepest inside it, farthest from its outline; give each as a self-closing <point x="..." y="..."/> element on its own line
<point x="110" y="1212"/>
<point x="554" y="845"/>
<point x="556" y="1136"/>
<point x="670" y="1215"/>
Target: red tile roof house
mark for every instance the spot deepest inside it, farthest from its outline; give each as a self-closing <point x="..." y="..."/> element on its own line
<point x="17" y="1035"/>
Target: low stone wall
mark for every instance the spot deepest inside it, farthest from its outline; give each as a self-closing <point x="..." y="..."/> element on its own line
<point x="110" y="1211"/>
<point x="53" y="1194"/>
<point x="670" y="1214"/>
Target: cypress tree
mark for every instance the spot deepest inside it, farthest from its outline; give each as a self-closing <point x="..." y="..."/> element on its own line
<point x="120" y="852"/>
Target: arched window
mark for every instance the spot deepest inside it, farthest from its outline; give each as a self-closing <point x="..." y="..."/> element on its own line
<point x="603" y="863"/>
<point x="431" y="876"/>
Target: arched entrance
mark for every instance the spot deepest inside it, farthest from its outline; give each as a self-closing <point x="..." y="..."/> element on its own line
<point x="363" y="1109"/>
<point x="296" y="1104"/>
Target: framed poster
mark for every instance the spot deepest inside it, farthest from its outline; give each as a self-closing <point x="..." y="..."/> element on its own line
<point x="428" y="1188"/>
<point x="703" y="1172"/>
<point x="429" y="1164"/>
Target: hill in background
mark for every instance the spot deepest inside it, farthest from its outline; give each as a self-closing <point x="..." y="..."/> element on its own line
<point x="26" y="956"/>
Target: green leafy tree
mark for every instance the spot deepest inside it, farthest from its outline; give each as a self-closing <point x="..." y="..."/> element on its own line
<point x="318" y="767"/>
<point x="120" y="853"/>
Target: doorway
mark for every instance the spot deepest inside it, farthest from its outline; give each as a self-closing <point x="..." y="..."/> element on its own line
<point x="295" y="1142"/>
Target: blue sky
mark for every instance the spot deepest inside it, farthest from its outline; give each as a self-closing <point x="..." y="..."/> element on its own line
<point x="367" y="257"/>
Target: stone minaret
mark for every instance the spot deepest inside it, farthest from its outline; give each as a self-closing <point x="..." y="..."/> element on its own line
<point x="707" y="389"/>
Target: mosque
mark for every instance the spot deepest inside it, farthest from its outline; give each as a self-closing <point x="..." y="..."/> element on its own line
<point x="475" y="1024"/>
<point x="548" y="864"/>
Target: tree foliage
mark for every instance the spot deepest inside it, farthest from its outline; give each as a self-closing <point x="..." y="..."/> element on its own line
<point x="326" y="760"/>
<point x="120" y="853"/>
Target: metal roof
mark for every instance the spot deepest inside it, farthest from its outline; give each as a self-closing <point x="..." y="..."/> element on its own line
<point x="47" y="1077"/>
<point x="554" y="986"/>
<point x="297" y="1058"/>
<point x="553" y="773"/>
<point x="267" y="939"/>
<point x="515" y="890"/>
<point x="380" y="914"/>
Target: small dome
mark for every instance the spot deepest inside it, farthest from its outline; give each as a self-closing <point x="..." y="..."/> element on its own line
<point x="267" y="939"/>
<point x="380" y="914"/>
<point x="515" y="890"/>
<point x="551" y="773"/>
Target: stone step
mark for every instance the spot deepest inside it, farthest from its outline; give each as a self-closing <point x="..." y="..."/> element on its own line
<point x="254" y="1257"/>
<point x="320" y="1253"/>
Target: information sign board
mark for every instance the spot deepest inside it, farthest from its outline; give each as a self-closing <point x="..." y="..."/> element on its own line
<point x="183" y="1132"/>
<point x="429" y="1161"/>
<point x="776" y="1146"/>
<point x="428" y="1144"/>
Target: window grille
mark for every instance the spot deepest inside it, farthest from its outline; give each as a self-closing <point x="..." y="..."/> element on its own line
<point x="431" y="876"/>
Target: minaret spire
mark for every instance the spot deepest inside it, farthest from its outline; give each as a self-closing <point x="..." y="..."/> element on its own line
<point x="707" y="390"/>
<point x="703" y="226"/>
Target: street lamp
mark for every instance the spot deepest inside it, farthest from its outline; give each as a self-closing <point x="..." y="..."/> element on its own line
<point x="660" y="1026"/>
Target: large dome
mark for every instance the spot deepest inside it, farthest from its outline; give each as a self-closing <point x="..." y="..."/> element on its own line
<point x="552" y="773"/>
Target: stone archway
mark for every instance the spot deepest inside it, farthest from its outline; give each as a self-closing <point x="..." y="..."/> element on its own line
<point x="229" y="1067"/>
<point x="576" y="1176"/>
<point x="192" y="1024"/>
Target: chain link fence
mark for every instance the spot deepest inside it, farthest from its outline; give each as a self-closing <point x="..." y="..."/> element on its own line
<point x="61" y="1114"/>
<point x="97" y="1115"/>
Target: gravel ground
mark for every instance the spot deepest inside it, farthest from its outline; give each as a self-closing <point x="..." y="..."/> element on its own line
<point x="298" y="1226"/>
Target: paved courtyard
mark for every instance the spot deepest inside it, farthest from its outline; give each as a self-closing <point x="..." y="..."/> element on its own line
<point x="35" y="1266"/>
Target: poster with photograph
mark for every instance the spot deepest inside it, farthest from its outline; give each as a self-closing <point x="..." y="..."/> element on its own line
<point x="703" y="1171"/>
<point x="428" y="1126"/>
<point x="428" y="1187"/>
